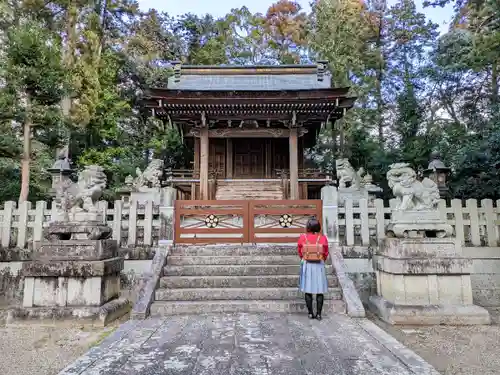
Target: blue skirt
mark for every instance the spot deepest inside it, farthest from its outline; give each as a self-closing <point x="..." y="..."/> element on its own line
<point x="313" y="278"/>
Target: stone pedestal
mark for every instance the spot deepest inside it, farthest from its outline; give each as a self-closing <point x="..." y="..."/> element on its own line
<point x="424" y="281"/>
<point x="353" y="194"/>
<point x="159" y="196"/>
<point x="75" y="274"/>
<point x="418" y="224"/>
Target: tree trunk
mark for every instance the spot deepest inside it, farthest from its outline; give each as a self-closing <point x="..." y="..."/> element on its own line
<point x="494" y="86"/>
<point x="68" y="61"/>
<point x="25" y="163"/>
<point x="380" y="76"/>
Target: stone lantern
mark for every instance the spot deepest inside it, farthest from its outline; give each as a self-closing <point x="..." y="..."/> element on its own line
<point x="125" y="191"/>
<point x="438" y="173"/>
<point x="60" y="171"/>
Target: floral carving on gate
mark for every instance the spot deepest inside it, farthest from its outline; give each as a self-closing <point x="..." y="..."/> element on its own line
<point x="211" y="221"/>
<point x="286" y="221"/>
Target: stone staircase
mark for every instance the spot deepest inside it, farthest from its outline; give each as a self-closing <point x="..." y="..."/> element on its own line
<point x="228" y="278"/>
<point x="244" y="189"/>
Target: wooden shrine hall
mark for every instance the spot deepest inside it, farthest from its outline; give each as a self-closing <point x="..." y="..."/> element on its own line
<point x="248" y="127"/>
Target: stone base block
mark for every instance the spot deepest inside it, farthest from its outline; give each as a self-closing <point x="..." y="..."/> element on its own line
<point x="422" y="290"/>
<point x="420" y="247"/>
<point x="97" y="316"/>
<point x="428" y="314"/>
<point x="75" y="250"/>
<point x="70" y="291"/>
<point x="423" y="266"/>
<point x="78" y="269"/>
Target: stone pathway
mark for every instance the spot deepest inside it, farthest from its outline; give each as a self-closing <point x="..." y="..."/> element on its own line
<point x="245" y="344"/>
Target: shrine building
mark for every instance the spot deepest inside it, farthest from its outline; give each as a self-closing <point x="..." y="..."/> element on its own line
<point x="248" y="127"/>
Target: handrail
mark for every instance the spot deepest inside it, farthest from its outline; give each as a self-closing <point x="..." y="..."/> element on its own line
<point x="350" y="295"/>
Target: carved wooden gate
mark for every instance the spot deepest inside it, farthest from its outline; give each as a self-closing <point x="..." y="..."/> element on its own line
<point x="243" y="221"/>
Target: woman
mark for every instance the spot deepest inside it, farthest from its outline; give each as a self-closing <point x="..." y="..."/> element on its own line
<point x="313" y="274"/>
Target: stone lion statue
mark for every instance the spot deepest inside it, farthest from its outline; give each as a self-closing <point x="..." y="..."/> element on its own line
<point x="347" y="174"/>
<point x="151" y="176"/>
<point x="411" y="193"/>
<point x="82" y="196"/>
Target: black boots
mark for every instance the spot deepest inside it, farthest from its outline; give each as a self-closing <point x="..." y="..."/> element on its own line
<point x="319" y="302"/>
<point x="309" y="305"/>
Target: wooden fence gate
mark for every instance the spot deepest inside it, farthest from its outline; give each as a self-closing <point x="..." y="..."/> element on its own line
<point x="242" y="221"/>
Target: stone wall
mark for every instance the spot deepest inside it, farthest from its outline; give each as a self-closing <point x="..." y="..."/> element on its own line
<point x="486" y="275"/>
<point x="11" y="283"/>
<point x="358" y="260"/>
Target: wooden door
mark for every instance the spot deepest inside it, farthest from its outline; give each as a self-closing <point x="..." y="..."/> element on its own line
<point x="249" y="158"/>
<point x="218" y="156"/>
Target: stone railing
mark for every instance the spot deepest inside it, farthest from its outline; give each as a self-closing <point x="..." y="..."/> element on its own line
<point x="475" y="223"/>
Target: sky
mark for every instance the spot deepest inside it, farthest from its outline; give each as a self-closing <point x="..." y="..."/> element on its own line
<point x="219" y="8"/>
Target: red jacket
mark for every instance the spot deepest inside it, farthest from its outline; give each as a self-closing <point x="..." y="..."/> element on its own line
<point x="312" y="238"/>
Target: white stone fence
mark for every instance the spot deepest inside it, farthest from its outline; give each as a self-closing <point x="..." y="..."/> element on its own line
<point x="139" y="224"/>
<point x="475" y="223"/>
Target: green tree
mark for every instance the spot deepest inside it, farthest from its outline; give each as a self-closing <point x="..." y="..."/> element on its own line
<point x="34" y="85"/>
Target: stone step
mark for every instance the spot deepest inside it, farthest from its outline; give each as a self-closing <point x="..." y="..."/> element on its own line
<point x="182" y="260"/>
<point x="204" y="294"/>
<point x="234" y="270"/>
<point x="274" y="281"/>
<point x="162" y="308"/>
<point x="234" y="250"/>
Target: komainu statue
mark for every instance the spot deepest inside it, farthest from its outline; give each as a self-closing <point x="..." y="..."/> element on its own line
<point x="77" y="201"/>
<point x="151" y="177"/>
<point x="416" y="211"/>
<point x="347" y="174"/>
<point x="410" y="193"/>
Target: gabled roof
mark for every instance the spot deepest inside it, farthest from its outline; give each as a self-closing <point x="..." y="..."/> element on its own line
<point x="250" y="78"/>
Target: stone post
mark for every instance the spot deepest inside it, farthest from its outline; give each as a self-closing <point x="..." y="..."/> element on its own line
<point x="329" y="197"/>
<point x="167" y="215"/>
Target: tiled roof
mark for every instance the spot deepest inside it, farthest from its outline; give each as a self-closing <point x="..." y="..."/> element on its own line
<point x="257" y="82"/>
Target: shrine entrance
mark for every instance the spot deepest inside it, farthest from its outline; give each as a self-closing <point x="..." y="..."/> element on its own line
<point x="249" y="158"/>
<point x="243" y="221"/>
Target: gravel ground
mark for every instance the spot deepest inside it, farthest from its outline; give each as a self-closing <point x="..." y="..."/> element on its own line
<point x="36" y="350"/>
<point x="473" y="350"/>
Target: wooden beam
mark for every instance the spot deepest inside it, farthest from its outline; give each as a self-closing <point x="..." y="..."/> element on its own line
<point x="161" y="93"/>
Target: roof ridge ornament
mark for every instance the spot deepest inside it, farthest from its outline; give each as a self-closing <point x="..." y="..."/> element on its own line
<point x="321" y="66"/>
<point x="177" y="71"/>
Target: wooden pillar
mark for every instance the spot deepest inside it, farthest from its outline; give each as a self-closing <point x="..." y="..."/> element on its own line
<point x="294" y="165"/>
<point x="269" y="154"/>
<point x="197" y="154"/>
<point x="196" y="167"/>
<point x="204" y="193"/>
<point x="229" y="158"/>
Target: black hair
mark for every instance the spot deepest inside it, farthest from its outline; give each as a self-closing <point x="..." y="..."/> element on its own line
<point x="313" y="225"/>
